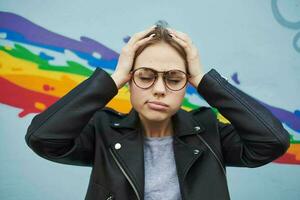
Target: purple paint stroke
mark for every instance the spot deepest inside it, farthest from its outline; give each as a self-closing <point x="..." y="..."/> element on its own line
<point x="289" y="118"/>
<point x="38" y="34"/>
<point x="235" y="78"/>
<point x="292" y="120"/>
<point x="126" y="39"/>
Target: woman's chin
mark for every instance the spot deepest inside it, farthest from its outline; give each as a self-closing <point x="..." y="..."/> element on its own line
<point x="155" y="115"/>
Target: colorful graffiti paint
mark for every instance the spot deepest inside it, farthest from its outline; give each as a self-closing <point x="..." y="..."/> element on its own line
<point x="38" y="66"/>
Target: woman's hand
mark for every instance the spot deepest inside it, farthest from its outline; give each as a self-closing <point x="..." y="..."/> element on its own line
<point x="195" y="67"/>
<point x="122" y="73"/>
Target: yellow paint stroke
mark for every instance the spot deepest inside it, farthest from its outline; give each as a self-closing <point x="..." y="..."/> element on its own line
<point x="221" y="118"/>
<point x="295" y="149"/>
<point x="13" y="69"/>
<point x="27" y="75"/>
<point x="17" y="66"/>
<point x="39" y="105"/>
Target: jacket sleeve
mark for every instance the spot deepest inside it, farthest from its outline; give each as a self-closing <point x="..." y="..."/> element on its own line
<point x="64" y="132"/>
<point x="254" y="136"/>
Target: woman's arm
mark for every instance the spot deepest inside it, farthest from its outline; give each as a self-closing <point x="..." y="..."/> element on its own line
<point x="255" y="136"/>
<point x="64" y="132"/>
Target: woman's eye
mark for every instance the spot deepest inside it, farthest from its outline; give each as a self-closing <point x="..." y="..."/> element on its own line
<point x="174" y="81"/>
<point x="146" y="78"/>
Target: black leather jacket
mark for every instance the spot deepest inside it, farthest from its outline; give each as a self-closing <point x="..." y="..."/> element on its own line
<point x="79" y="130"/>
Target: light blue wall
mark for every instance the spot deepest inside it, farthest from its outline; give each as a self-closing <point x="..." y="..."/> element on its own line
<point x="246" y="37"/>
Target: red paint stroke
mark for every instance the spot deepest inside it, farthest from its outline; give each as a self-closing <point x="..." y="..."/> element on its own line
<point x="19" y="97"/>
<point x="47" y="87"/>
<point x="287" y="158"/>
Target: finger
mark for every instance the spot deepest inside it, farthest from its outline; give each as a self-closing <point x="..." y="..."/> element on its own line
<point x="183" y="36"/>
<point x="142" y="41"/>
<point x="137" y="36"/>
<point x="182" y="43"/>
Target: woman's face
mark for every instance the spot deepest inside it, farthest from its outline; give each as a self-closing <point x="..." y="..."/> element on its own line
<point x="160" y="57"/>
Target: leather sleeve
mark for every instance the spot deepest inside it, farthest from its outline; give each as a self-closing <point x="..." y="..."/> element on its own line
<point x="64" y="132"/>
<point x="254" y="136"/>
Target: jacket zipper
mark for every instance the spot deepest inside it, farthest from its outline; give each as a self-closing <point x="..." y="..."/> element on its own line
<point x="220" y="163"/>
<point x="125" y="174"/>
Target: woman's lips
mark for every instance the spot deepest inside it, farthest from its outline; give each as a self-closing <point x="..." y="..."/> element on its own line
<point x="157" y="106"/>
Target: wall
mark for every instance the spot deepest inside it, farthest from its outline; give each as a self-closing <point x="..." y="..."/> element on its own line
<point x="48" y="47"/>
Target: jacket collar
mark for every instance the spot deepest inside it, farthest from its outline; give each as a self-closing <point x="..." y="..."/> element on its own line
<point x="184" y="123"/>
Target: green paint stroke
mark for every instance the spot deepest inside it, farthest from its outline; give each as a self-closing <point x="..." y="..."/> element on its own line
<point x="293" y="141"/>
<point x="72" y="68"/>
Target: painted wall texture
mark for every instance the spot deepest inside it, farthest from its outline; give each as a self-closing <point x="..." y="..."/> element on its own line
<point x="49" y="47"/>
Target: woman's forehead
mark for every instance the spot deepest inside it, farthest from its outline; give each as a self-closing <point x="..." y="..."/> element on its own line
<point x="160" y="57"/>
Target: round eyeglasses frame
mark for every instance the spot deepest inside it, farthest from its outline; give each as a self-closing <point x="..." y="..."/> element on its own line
<point x="156" y="75"/>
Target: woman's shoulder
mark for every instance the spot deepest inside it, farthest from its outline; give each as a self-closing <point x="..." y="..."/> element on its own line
<point x="204" y="114"/>
<point x="110" y="111"/>
<point x="202" y="110"/>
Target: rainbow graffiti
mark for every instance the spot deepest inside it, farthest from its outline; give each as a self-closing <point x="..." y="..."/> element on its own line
<point x="38" y="66"/>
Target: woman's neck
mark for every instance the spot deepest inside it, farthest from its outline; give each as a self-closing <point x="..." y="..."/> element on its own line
<point x="157" y="128"/>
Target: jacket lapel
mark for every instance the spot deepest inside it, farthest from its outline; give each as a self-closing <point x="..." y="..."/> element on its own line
<point x="186" y="145"/>
<point x="130" y="151"/>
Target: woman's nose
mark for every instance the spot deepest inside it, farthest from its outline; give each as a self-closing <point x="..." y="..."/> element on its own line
<point x="159" y="87"/>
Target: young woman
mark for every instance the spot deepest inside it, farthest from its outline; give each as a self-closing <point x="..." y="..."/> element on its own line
<point x="157" y="150"/>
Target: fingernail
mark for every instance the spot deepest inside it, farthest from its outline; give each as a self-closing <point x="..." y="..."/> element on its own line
<point x="151" y="36"/>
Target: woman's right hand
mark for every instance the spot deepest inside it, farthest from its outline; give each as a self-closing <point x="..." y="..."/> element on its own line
<point x="122" y="73"/>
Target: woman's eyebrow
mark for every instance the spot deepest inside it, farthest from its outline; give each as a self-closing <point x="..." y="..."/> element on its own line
<point x="168" y="69"/>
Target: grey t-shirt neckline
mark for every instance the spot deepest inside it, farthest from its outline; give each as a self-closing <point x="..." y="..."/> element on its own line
<point x="162" y="139"/>
<point x="161" y="180"/>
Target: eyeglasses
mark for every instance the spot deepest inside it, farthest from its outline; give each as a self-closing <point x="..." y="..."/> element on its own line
<point x="146" y="77"/>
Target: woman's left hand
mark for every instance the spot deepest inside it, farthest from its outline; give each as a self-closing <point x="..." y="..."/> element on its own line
<point x="195" y="67"/>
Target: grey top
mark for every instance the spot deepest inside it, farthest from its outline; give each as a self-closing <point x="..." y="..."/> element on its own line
<point x="161" y="180"/>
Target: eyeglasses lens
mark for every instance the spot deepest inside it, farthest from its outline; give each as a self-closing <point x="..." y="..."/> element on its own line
<point x="174" y="79"/>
